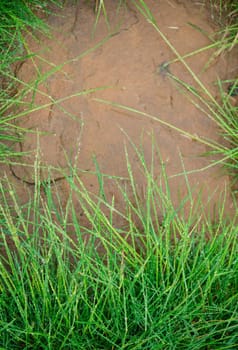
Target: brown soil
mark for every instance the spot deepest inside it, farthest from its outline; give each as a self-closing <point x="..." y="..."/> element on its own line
<point x="130" y="63"/>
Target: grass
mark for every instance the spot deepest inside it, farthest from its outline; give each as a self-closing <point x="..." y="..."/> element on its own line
<point x="224" y="112"/>
<point x="17" y="20"/>
<point x="156" y="283"/>
<point x="165" y="292"/>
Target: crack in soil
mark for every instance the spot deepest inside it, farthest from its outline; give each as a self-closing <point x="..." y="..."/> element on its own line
<point x="128" y="64"/>
<point x="33" y="183"/>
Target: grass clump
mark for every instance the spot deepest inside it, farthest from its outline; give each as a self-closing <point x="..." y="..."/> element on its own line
<point x="16" y="20"/>
<point x="225" y="13"/>
<point x="174" y="288"/>
<point x="222" y="112"/>
<point x="228" y="18"/>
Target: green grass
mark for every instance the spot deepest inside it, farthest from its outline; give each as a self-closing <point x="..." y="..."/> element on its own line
<point x="17" y="19"/>
<point x="156" y="283"/>
<point x="226" y="13"/>
<point x="223" y="113"/>
<point x="174" y="286"/>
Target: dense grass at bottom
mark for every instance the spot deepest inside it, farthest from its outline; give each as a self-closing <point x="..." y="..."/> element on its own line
<point x="164" y="293"/>
<point x="161" y="293"/>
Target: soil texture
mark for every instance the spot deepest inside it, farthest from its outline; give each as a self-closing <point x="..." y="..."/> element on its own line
<point x="122" y="59"/>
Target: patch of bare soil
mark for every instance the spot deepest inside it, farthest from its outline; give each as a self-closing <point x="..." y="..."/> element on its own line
<point x="127" y="68"/>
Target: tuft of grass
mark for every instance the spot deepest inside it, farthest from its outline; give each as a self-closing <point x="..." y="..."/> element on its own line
<point x="16" y="21"/>
<point x="164" y="285"/>
<point x="224" y="112"/>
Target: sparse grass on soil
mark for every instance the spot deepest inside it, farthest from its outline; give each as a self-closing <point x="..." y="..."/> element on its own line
<point x="174" y="286"/>
<point x="16" y="20"/>
<point x="224" y="113"/>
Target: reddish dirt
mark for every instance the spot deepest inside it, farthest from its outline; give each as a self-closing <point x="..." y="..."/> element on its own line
<point x="78" y="128"/>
